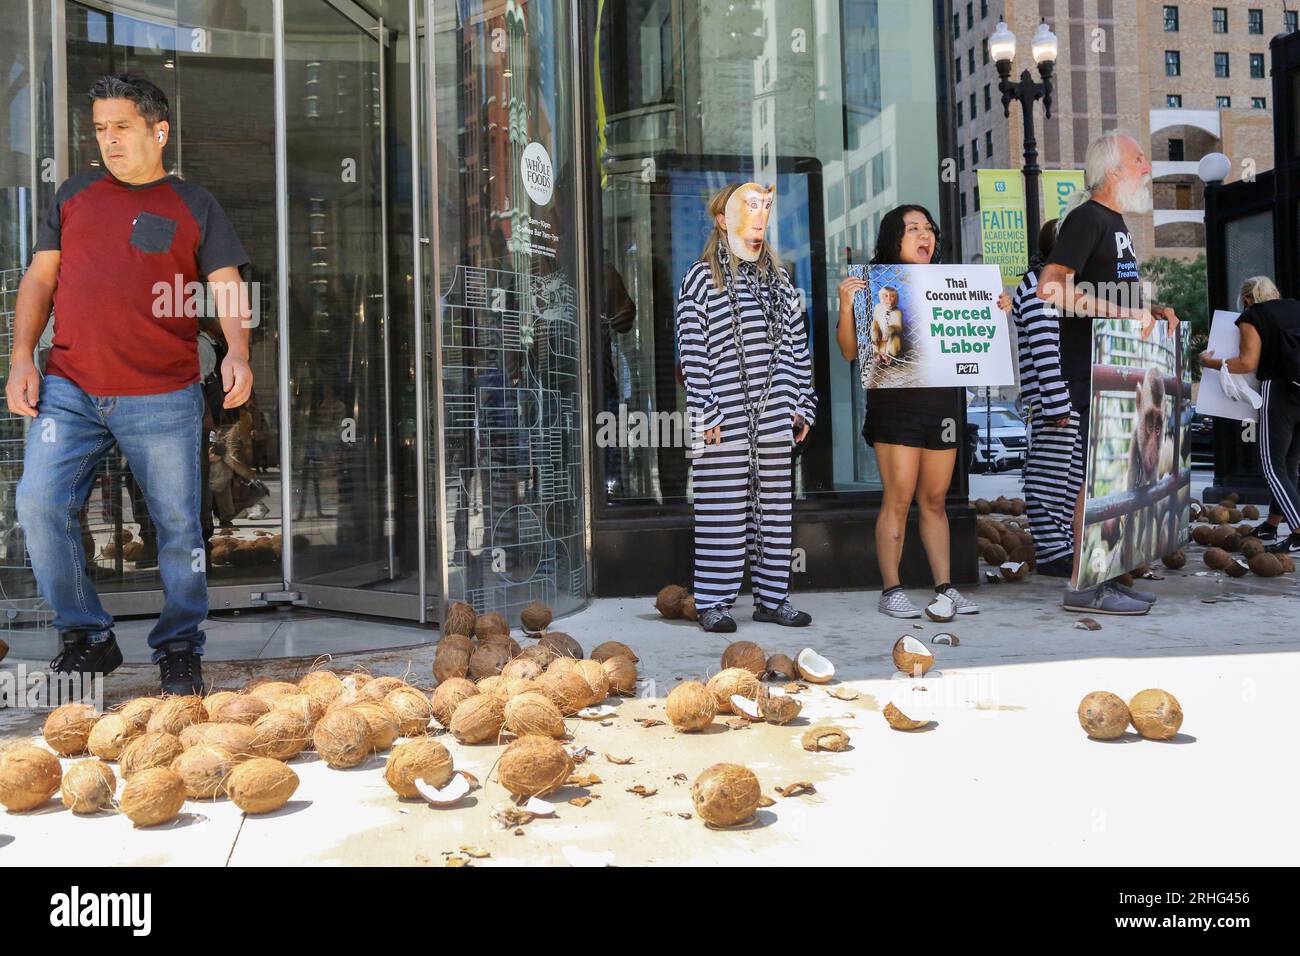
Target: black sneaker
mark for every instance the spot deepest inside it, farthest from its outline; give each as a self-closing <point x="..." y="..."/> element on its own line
<point x="180" y="670"/>
<point x="784" y="615"/>
<point x="82" y="656"/>
<point x="1288" y="545"/>
<point x="1265" y="531"/>
<point x="716" y="620"/>
<point x="1062" y="567"/>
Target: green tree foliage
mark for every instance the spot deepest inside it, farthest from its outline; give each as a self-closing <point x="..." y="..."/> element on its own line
<point x="1182" y="285"/>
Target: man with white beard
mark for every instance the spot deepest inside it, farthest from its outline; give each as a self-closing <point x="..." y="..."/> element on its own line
<point x="1092" y="273"/>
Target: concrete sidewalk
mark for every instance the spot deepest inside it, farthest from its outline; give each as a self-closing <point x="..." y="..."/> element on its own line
<point x="1005" y="776"/>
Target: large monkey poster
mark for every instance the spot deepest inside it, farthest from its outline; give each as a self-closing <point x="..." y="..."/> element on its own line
<point x="1138" y="483"/>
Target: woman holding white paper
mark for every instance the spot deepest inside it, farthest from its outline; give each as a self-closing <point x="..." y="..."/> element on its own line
<point x="1270" y="347"/>
<point x="915" y="432"/>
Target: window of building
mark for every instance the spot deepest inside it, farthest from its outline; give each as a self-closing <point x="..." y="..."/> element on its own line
<point x="961" y="158"/>
<point x="985" y="45"/>
<point x="1182" y="196"/>
<point x="1255" y="21"/>
<point x="973" y="111"/>
<point x="970" y="16"/>
<point x="963" y="203"/>
<point x="1171" y="19"/>
<point x="956" y="69"/>
<point x="961" y="110"/>
<point x="988" y="97"/>
<point x="1258" y="103"/>
<point x="1290" y="21"/>
<point x="1174" y="101"/>
<point x="984" y="9"/>
<point x="975" y="194"/>
<point x="1220" y="15"/>
<point x="988" y="145"/>
<point x="956" y="25"/>
<point x="1223" y="102"/>
<point x="1173" y="63"/>
<point x="1257" y="66"/>
<point x="1221" y="65"/>
<point x="970" y="61"/>
<point x="880" y="172"/>
<point x="1175" y="150"/>
<point x="974" y="152"/>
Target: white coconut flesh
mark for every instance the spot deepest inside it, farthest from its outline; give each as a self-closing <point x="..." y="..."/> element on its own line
<point x="599" y="712"/>
<point x="942" y="606"/>
<point x="1012" y="566"/>
<point x="912" y="703"/>
<point x="944" y="638"/>
<point x="913" y="646"/>
<point x="812" y="662"/>
<point x="538" y="807"/>
<point x="745" y="705"/>
<point x="456" y="789"/>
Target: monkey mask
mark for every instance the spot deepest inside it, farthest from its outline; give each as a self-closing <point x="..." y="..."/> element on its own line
<point x="747" y="213"/>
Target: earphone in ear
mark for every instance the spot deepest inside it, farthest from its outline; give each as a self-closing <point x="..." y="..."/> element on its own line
<point x="161" y="136"/>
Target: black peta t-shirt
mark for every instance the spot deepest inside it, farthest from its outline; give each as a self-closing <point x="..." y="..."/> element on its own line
<point x="1095" y="244"/>
<point x="1278" y="323"/>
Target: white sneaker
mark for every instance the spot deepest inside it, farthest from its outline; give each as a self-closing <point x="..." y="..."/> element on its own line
<point x="897" y="604"/>
<point x="963" y="604"/>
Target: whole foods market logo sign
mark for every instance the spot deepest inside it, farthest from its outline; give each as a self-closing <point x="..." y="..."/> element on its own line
<point x="538" y="173"/>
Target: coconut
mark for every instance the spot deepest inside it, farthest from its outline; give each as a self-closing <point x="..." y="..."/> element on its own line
<point x="942" y="609"/>
<point x="1250" y="512"/>
<point x="911" y="656"/>
<point x="1236" y="568"/>
<point x="1013" y="570"/>
<point x="28" y="777"/>
<point x="540" y="653"/>
<point x="412" y="709"/>
<point x="780" y="709"/>
<point x="493" y="623"/>
<point x="238" y="740"/>
<point x="176" y="713"/>
<point x="153" y="796"/>
<point x="270" y="689"/>
<point x="1021" y="554"/>
<point x="479" y="719"/>
<point x="604" y="652"/>
<point x="1156" y="714"/>
<point x="463" y="641"/>
<point x="533" y="766"/>
<point x="261" y="785"/>
<point x="901" y="721"/>
<point x="490" y="685"/>
<point x="343" y="738"/>
<point x="562" y="665"/>
<point x="451" y="660"/>
<point x="1103" y="715"/>
<point x="814" y="668"/>
<point x="669" y="601"/>
<point x="562" y="644"/>
<point x="88" y="787"/>
<point x="243" y="709"/>
<point x="691" y="706"/>
<point x="323" y="686"/>
<point x="745" y="654"/>
<point x="149" y="751"/>
<point x="460" y="619"/>
<point x="1251" y="547"/>
<point x="109" y="735"/>
<point x="983" y="506"/>
<point x="281" y="734"/>
<point x="305" y="706"/>
<point x="1216" y="514"/>
<point x="533" y="713"/>
<point x="994" y="555"/>
<point x="1175" y="560"/>
<point x="194" y="734"/>
<point x="204" y="769"/>
<point x="488" y="660"/>
<point x="67" y="729"/>
<point x="1216" y="558"/>
<point x="593" y="672"/>
<point x="448" y="696"/>
<point x="535" y="617"/>
<point x="1226" y="538"/>
<point x="825" y="737"/>
<point x="1288" y="565"/>
<point x="379" y="688"/>
<point x="1201" y="533"/>
<point x="1266" y="565"/>
<point x="425" y="760"/>
<point x="384" y="725"/>
<point x="510" y="688"/>
<point x="213" y="702"/>
<point x="1235" y="515"/>
<point x="522" y="668"/>
<point x="137" y="712"/>
<point x="1230" y="499"/>
<point x="567" y="689"/>
<point x="733" y="680"/>
<point x="726" y="794"/>
<point x="620" y="672"/>
<point x="781" y="667"/>
<point x="689" y="611"/>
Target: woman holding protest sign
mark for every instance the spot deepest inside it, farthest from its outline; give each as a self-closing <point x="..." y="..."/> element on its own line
<point x="915" y="431"/>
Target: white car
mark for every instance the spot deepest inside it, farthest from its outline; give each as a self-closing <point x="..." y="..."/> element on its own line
<point x="1002" y="445"/>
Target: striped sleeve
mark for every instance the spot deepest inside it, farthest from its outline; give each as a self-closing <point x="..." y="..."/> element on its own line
<point x="806" y="405"/>
<point x="693" y="340"/>
<point x="1042" y="328"/>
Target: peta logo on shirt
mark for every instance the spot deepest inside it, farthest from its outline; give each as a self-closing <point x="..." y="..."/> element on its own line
<point x="1123" y="245"/>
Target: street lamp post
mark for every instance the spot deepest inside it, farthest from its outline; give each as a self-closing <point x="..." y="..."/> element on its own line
<point x="1002" y="47"/>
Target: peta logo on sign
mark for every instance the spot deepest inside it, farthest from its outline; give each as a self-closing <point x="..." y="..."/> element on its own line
<point x="539" y="175"/>
<point x="1123" y="243"/>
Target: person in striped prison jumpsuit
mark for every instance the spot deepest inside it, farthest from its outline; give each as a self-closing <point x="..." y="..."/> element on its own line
<point x="1053" y="472"/>
<point x="749" y="393"/>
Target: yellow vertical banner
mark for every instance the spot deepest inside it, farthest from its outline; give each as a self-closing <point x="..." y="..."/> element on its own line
<point x="1058" y="186"/>
<point x="1002" y="222"/>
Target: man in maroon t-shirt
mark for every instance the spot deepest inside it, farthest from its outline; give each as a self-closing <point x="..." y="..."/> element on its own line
<point x="122" y="255"/>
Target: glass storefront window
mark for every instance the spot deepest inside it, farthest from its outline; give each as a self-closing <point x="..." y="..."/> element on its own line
<point x="834" y="101"/>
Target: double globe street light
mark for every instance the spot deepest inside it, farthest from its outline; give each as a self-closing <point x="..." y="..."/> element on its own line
<point x="1002" y="47"/>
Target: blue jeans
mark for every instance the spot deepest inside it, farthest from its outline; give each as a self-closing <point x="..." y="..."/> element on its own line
<point x="160" y="436"/>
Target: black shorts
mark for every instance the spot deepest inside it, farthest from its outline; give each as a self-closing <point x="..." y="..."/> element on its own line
<point x="915" y="417"/>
